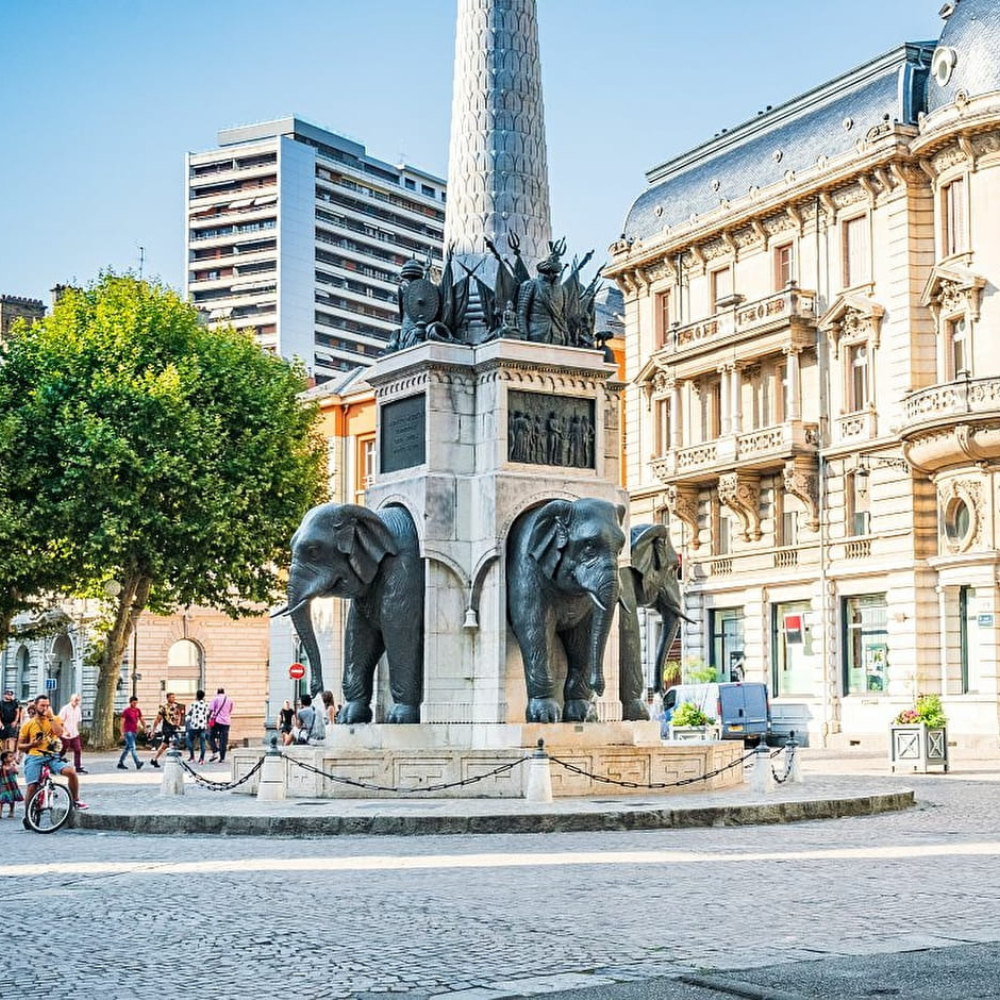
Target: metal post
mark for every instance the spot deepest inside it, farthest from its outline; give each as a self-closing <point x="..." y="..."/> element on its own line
<point x="793" y="772"/>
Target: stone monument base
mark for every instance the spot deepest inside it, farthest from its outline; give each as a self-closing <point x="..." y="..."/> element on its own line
<point x="418" y="756"/>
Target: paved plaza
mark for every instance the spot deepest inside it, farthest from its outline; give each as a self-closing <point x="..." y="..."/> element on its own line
<point x="486" y="917"/>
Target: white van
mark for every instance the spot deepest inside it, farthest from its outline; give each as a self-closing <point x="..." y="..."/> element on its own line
<point x="742" y="709"/>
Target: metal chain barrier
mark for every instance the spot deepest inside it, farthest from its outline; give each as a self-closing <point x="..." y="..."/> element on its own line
<point x="739" y="762"/>
<point x="403" y="788"/>
<point x="789" y="750"/>
<point x="221" y="786"/>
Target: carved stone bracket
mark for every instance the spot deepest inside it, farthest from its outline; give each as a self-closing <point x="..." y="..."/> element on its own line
<point x="801" y="480"/>
<point x="682" y="502"/>
<point x="853" y="317"/>
<point x="741" y="494"/>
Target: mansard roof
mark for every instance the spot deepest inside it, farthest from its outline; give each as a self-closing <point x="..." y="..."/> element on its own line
<point x="970" y="52"/>
<point x="825" y="122"/>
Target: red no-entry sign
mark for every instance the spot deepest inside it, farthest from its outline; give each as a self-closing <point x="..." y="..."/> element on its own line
<point x="296" y="671"/>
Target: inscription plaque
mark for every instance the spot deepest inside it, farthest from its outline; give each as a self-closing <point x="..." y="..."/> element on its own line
<point x="403" y="425"/>
<point x="543" y="429"/>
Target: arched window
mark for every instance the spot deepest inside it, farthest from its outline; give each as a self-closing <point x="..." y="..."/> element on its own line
<point x="185" y="669"/>
<point x="24" y="674"/>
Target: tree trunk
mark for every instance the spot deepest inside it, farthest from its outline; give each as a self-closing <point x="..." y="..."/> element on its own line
<point x="131" y="602"/>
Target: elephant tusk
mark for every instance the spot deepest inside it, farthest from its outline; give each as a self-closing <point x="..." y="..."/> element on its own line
<point x="286" y="610"/>
<point x="600" y="606"/>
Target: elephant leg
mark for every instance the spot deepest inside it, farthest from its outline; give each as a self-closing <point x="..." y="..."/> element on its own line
<point x="405" y="652"/>
<point x="578" y="697"/>
<point x="630" y="678"/>
<point x="363" y="645"/>
<point x="536" y="638"/>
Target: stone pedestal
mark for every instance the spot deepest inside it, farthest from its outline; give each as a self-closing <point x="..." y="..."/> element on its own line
<point x="417" y="756"/>
<point x="469" y="439"/>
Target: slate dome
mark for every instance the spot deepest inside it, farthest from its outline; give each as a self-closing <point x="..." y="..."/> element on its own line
<point x="968" y="54"/>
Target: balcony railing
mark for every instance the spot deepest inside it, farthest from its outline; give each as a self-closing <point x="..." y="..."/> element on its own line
<point x="952" y="399"/>
<point x="745" y="318"/>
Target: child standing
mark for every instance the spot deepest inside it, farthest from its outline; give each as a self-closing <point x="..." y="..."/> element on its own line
<point x="10" y="790"/>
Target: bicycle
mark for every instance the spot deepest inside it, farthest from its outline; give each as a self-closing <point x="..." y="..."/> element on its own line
<point x="51" y="805"/>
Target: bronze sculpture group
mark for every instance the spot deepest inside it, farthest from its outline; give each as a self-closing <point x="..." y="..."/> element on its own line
<point x="546" y="309"/>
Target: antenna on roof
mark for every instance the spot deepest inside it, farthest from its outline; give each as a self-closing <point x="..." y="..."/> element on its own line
<point x="142" y="260"/>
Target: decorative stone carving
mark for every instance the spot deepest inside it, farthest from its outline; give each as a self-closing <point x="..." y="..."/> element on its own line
<point x="682" y="502"/>
<point x="801" y="480"/>
<point x="740" y="492"/>
<point x="849" y="195"/>
<point x="954" y="494"/>
<point x="952" y="290"/>
<point x="986" y="142"/>
<point x="948" y="157"/>
<point x="550" y="430"/>
<point x="852" y="317"/>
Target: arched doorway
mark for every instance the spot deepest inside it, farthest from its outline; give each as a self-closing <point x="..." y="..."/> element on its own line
<point x="61" y="671"/>
<point x="185" y="669"/>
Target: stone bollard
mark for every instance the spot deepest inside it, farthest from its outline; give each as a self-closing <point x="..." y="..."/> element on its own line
<point x="762" y="778"/>
<point x="538" y="787"/>
<point x="172" y="782"/>
<point x="271" y="786"/>
<point x="793" y="772"/>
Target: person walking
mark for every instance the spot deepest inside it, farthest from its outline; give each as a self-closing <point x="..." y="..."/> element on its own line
<point x="169" y="718"/>
<point x="197" y="722"/>
<point x="132" y="722"/>
<point x="10" y="721"/>
<point x="220" y="714"/>
<point x="72" y="716"/>
<point x="285" y="727"/>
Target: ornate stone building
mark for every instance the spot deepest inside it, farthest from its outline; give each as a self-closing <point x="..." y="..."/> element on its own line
<point x="812" y="318"/>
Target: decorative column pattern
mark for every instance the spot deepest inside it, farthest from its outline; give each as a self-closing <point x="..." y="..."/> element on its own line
<point x="794" y="385"/>
<point x="497" y="166"/>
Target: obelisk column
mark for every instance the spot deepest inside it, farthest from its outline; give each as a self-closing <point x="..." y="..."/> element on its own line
<point x="497" y="169"/>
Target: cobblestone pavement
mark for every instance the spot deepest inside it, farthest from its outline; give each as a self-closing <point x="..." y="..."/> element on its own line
<point x="481" y="918"/>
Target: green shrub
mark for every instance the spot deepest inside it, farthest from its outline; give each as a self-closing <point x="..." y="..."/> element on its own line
<point x="689" y="714"/>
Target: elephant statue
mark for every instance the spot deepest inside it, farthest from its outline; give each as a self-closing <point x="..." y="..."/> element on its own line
<point x="373" y="559"/>
<point x="651" y="581"/>
<point x="562" y="582"/>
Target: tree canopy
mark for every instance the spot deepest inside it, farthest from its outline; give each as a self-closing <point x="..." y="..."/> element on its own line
<point x="142" y="447"/>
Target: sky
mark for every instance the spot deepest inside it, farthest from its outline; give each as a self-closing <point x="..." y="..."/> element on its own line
<point x="99" y="101"/>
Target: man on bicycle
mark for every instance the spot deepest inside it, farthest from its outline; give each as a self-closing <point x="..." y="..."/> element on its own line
<point x="38" y="739"/>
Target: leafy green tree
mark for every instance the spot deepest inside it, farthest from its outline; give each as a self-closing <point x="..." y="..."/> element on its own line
<point x="172" y="459"/>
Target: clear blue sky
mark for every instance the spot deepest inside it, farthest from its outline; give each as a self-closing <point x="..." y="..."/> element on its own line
<point x="99" y="101"/>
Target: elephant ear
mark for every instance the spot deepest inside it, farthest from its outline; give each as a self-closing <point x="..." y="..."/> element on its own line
<point x="364" y="539"/>
<point x="653" y="557"/>
<point x="550" y="535"/>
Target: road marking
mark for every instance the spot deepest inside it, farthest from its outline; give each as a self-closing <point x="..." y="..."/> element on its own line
<point x="902" y="852"/>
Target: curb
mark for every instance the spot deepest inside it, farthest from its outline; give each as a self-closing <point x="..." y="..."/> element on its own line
<point x="177" y="824"/>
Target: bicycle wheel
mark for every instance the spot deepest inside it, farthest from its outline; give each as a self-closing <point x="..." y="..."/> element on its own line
<point x="49" y="808"/>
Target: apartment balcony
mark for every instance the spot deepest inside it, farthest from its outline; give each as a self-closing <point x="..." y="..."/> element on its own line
<point x="952" y="423"/>
<point x="750" y="329"/>
<point x="761" y="450"/>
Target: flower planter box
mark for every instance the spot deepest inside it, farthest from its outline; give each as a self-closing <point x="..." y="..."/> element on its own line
<point x="917" y="748"/>
<point x="694" y="732"/>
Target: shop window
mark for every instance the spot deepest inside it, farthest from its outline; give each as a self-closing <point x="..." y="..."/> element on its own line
<point x="783" y="263"/>
<point x="954" y="217"/>
<point x="866" y="645"/>
<point x="795" y="663"/>
<point x="727" y="643"/>
<point x="856" y="252"/>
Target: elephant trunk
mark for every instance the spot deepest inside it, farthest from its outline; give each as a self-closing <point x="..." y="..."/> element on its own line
<point x="600" y="626"/>
<point x="302" y="620"/>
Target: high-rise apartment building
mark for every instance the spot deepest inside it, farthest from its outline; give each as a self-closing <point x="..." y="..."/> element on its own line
<point x="297" y="233"/>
